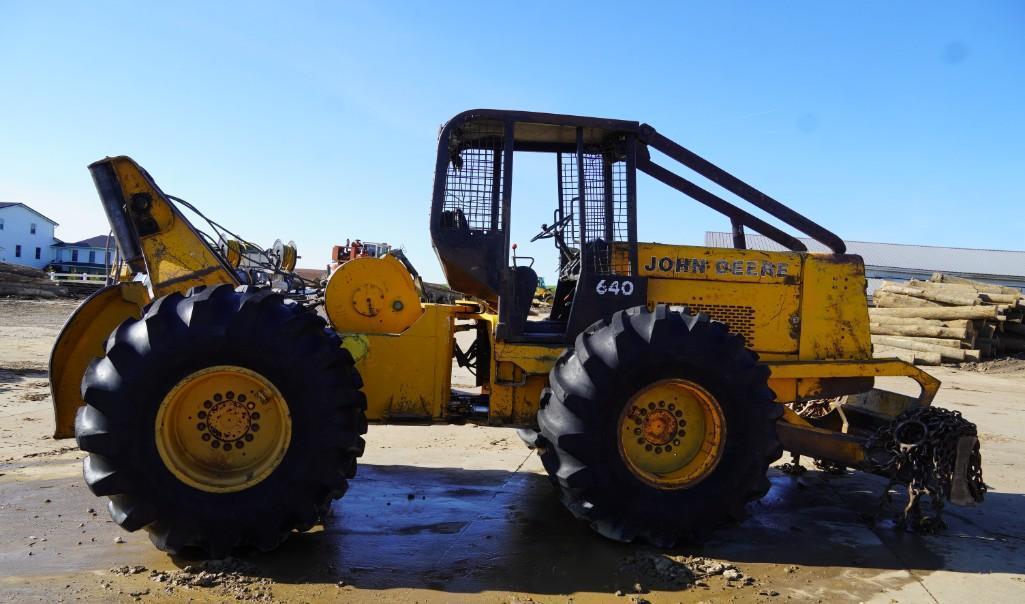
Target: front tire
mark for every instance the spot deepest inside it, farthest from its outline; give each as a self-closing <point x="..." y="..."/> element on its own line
<point x="658" y="426"/>
<point x="179" y="449"/>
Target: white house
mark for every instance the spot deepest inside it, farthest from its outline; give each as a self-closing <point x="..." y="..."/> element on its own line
<point x="86" y="256"/>
<point x="26" y="236"/>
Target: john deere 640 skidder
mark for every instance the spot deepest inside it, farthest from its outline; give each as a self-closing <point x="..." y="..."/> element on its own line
<point x="220" y="410"/>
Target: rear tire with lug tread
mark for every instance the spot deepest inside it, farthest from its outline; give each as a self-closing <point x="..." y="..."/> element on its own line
<point x="587" y="414"/>
<point x="169" y="486"/>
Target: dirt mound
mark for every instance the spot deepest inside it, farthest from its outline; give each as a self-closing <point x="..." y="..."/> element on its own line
<point x="1011" y="365"/>
<point x="656" y="570"/>
<point x="22" y="281"/>
<point x="229" y="578"/>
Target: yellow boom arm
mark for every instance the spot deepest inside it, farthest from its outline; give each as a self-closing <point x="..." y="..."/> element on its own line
<point x="154" y="239"/>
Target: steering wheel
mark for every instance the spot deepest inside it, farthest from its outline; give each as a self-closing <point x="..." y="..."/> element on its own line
<point x="547" y="232"/>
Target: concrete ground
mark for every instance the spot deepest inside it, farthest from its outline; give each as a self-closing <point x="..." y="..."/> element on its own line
<point x="461" y="513"/>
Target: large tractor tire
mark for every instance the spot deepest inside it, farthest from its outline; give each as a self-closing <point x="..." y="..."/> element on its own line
<point x="658" y="426"/>
<point x="221" y="420"/>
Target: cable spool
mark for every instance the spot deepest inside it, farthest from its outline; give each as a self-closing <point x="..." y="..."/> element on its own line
<point x="239" y="254"/>
<point x="232" y="251"/>
<point x="289" y="257"/>
<point x="285" y="255"/>
<point x="372" y="295"/>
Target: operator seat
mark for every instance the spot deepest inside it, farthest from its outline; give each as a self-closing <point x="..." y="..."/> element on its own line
<point x="524" y="285"/>
<point x="518" y="286"/>
<point x="455" y="219"/>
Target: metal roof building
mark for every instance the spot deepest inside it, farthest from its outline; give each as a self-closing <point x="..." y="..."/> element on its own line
<point x="898" y="261"/>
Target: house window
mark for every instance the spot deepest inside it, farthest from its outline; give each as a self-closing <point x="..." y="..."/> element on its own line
<point x="39" y="253"/>
<point x="92" y="257"/>
<point x="17" y="251"/>
<point x="32" y="228"/>
<point x="74" y="255"/>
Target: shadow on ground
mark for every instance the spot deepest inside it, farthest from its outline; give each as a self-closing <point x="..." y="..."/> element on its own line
<point x="470" y="531"/>
<point x="17" y="375"/>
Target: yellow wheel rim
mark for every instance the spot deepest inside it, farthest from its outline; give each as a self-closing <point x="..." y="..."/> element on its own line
<point x="223" y="429"/>
<point x="671" y="434"/>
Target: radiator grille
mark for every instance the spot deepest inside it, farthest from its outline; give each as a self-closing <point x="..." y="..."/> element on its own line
<point x="739" y="319"/>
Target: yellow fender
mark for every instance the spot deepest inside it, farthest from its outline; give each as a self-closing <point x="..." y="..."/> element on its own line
<point x="81" y="340"/>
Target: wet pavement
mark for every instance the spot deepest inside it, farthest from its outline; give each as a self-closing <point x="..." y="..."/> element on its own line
<point x="494" y="530"/>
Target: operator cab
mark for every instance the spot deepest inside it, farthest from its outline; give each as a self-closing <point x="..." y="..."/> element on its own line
<point x="593" y="227"/>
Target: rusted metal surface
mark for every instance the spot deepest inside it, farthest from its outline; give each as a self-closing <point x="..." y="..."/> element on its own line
<point x="821" y="444"/>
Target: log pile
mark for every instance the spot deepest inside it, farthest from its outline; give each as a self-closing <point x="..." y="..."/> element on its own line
<point x="23" y="281"/>
<point x="946" y="319"/>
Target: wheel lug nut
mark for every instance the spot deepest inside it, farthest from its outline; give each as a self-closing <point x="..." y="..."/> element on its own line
<point x="249" y="438"/>
<point x="207" y="404"/>
<point x="677" y="442"/>
<point x="206" y="436"/>
<point x="229" y="394"/>
<point x="651" y="405"/>
<point x="216" y="444"/>
<point x="669" y="448"/>
<point x="658" y="449"/>
<point x="647" y="447"/>
<point x="640" y="441"/>
<point x="200" y="426"/>
<point x="678" y="413"/>
<point x="672" y="406"/>
<point x="637" y="431"/>
<point x="661" y="403"/>
<point x="218" y="398"/>
<point x="227" y="446"/>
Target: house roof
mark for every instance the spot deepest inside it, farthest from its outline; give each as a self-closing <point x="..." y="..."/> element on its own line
<point x="900" y="255"/>
<point x="99" y="241"/>
<point x="7" y="204"/>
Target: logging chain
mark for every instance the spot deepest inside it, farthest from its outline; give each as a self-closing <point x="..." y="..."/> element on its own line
<point x="919" y="450"/>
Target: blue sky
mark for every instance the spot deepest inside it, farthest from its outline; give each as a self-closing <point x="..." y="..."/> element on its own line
<point x="317" y="122"/>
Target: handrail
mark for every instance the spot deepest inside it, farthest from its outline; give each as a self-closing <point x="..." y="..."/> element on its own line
<point x="735" y="214"/>
<point x="649" y="136"/>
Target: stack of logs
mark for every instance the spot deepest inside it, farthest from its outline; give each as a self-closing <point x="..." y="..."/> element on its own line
<point x="946" y="320"/>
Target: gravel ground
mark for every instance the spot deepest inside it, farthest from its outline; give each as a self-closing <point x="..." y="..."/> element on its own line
<point x="450" y="513"/>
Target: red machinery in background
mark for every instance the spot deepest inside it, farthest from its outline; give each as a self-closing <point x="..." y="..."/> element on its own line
<point x="340" y="254"/>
